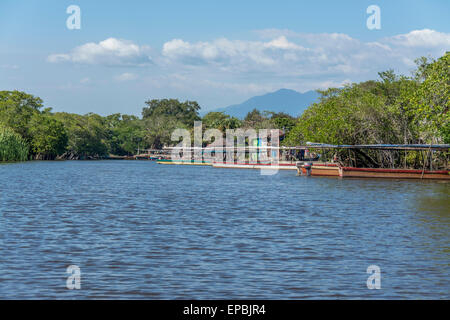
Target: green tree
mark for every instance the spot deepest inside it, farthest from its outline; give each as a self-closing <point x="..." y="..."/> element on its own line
<point x="429" y="104"/>
<point x="254" y="119"/>
<point x="158" y="130"/>
<point x="221" y="121"/>
<point x="185" y="112"/>
<point x="282" y="121"/>
<point x="125" y="134"/>
<point x="48" y="136"/>
<point x="87" y="135"/>
<point x="230" y="123"/>
<point x="16" y="110"/>
<point x="214" y="119"/>
<point x="162" y="117"/>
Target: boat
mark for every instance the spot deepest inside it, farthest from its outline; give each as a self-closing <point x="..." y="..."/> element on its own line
<point x="351" y="172"/>
<point x="184" y="162"/>
<point x="317" y="169"/>
<point x="259" y="165"/>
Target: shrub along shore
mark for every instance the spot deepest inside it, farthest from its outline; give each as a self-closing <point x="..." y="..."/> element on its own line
<point x="395" y="109"/>
<point x="12" y="146"/>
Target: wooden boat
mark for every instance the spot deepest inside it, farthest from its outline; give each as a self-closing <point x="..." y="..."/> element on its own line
<point x="258" y="165"/>
<point x="185" y="162"/>
<point x="350" y="172"/>
<point x="318" y="169"/>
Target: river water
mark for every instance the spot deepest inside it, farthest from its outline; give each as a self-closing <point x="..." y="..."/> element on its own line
<point x="141" y="230"/>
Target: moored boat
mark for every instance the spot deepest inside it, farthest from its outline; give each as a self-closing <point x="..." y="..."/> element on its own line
<point x="259" y="165"/>
<point x="350" y="172"/>
<point x="318" y="169"/>
<point x="185" y="162"/>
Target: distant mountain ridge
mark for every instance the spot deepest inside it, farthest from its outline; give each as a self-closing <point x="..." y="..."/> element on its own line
<point x="283" y="100"/>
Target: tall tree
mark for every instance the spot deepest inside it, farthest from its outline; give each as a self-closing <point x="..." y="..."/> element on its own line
<point x="87" y="135"/>
<point x="430" y="103"/>
<point x="48" y="136"/>
<point x="185" y="112"/>
<point x="16" y="110"/>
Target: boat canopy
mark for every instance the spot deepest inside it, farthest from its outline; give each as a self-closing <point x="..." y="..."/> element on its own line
<point x="381" y="146"/>
<point x="311" y="145"/>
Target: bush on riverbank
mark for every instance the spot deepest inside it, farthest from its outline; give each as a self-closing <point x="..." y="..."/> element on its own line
<point x="12" y="146"/>
<point x="21" y="113"/>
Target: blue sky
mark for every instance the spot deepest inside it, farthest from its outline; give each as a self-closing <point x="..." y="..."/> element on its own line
<point x="216" y="52"/>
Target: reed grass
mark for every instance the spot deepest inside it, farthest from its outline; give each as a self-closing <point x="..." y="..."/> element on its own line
<point x="12" y="146"/>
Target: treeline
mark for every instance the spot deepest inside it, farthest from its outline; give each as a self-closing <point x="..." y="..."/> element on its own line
<point x="27" y="131"/>
<point x="394" y="109"/>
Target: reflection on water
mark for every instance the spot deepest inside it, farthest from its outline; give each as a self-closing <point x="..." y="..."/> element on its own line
<point x="436" y="202"/>
<point x="434" y="208"/>
<point x="141" y="230"/>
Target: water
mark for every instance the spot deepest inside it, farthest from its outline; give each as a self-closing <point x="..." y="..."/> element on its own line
<point x="141" y="230"/>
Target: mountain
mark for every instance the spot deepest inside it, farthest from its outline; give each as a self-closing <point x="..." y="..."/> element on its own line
<point x="283" y="100"/>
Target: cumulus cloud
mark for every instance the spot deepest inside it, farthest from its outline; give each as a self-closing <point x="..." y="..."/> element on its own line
<point x="280" y="53"/>
<point x="278" y="58"/>
<point x="226" y="53"/>
<point x="112" y="51"/>
<point x="421" y="38"/>
<point x="282" y="43"/>
<point x="286" y="53"/>
<point x="220" y="52"/>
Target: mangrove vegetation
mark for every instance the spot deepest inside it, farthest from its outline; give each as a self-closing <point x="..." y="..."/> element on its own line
<point x="394" y="109"/>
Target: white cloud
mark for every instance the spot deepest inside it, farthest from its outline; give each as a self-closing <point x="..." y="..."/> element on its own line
<point x="421" y="38"/>
<point x="282" y="43"/>
<point x="127" y="76"/>
<point x="111" y="51"/>
<point x="225" y="53"/>
<point x="289" y="54"/>
<point x="279" y="58"/>
<point x="285" y="53"/>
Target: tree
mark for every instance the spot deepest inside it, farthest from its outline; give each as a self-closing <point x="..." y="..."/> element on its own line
<point x="185" y="112"/>
<point x="214" y="119"/>
<point x="16" y="110"/>
<point x="230" y="123"/>
<point x="221" y="121"/>
<point x="125" y="134"/>
<point x="158" y="130"/>
<point x="87" y="135"/>
<point x="48" y="136"/>
<point x="22" y="113"/>
<point x="253" y="119"/>
<point x="429" y="104"/>
<point x="162" y="117"/>
<point x="282" y="121"/>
